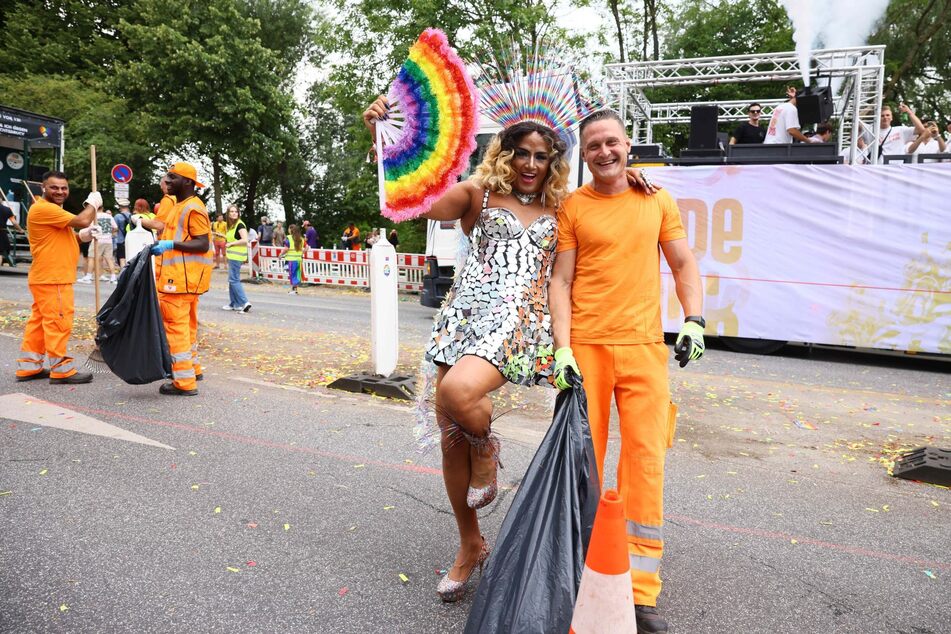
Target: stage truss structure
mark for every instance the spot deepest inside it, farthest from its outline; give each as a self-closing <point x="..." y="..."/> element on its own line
<point x="857" y="75"/>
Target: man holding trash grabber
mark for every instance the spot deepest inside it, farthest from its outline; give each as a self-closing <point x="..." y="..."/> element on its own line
<point x="52" y="275"/>
<point x="604" y="299"/>
<point x="183" y="272"/>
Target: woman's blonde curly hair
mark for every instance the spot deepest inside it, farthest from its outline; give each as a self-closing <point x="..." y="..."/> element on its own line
<point x="495" y="173"/>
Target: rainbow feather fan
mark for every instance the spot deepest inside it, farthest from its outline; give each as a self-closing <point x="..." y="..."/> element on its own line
<point x="430" y="131"/>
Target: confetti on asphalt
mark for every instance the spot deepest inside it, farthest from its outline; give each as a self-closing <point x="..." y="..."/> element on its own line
<point x="404" y="578"/>
<point x="342" y="591"/>
<point x="387" y="508"/>
<point x="933" y="503"/>
<point x="44" y="471"/>
<point x="252" y="564"/>
<point x="63" y="607"/>
<point x="194" y="487"/>
<point x="930" y="574"/>
<point x="217" y="509"/>
<point x="252" y="525"/>
<point x="233" y="569"/>
<point x="2" y="493"/>
<point x="358" y="466"/>
<point x="871" y="510"/>
<point x="287" y="527"/>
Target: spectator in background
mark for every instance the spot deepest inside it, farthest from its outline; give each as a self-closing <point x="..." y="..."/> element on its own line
<point x="102" y="248"/>
<point x="929" y="142"/>
<point x="236" y="249"/>
<point x="122" y="223"/>
<point x="895" y="139"/>
<point x="218" y="230"/>
<point x="823" y="134"/>
<point x="749" y="131"/>
<point x="784" y="124"/>
<point x="279" y="235"/>
<point x="373" y="237"/>
<point x="310" y="235"/>
<point x="7" y="215"/>
<point x="351" y="238"/>
<point x="265" y="232"/>
<point x="394" y="239"/>
<point x="293" y="254"/>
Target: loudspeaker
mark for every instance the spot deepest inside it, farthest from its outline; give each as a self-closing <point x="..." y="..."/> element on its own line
<point x="703" y="128"/>
<point x="927" y="464"/>
<point x="814" y="105"/>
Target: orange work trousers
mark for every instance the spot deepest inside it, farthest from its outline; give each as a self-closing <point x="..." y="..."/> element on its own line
<point x="47" y="332"/>
<point x="636" y="374"/>
<point x="180" y="317"/>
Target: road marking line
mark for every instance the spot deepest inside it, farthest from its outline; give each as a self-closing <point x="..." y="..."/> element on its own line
<point x="261" y="442"/>
<point x="29" y="409"/>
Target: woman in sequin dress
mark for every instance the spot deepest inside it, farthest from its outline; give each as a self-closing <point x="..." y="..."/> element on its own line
<point x="494" y="325"/>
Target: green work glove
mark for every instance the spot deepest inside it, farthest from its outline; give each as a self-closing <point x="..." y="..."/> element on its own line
<point x="564" y="359"/>
<point x="689" y="346"/>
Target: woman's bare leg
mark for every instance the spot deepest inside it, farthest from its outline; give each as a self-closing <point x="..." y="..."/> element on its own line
<point x="461" y="399"/>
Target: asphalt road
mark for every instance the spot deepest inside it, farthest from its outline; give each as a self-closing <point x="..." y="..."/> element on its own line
<point x="274" y="508"/>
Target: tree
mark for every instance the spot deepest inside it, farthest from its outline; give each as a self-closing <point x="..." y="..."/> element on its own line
<point x="917" y="35"/>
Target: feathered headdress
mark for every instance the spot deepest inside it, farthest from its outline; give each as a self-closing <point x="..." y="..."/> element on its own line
<point x="543" y="86"/>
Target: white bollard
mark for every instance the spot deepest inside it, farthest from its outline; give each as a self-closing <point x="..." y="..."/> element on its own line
<point x="384" y="314"/>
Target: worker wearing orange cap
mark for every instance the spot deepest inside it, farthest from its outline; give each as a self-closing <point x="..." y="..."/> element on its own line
<point x="183" y="272"/>
<point x="52" y="275"/>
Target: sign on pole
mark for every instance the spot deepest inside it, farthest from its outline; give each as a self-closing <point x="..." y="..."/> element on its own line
<point x="121" y="173"/>
<point x="121" y="190"/>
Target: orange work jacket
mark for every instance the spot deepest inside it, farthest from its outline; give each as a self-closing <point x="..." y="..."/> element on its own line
<point x="177" y="271"/>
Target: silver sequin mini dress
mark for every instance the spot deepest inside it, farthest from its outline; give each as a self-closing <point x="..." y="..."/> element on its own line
<point x="497" y="308"/>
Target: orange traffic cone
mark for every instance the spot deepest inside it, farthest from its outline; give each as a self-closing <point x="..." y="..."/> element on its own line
<point x="605" y="602"/>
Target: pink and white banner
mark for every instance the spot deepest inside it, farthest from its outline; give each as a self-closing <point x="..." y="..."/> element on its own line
<point x="831" y="254"/>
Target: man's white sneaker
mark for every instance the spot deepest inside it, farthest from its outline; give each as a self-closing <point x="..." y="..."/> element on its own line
<point x="85" y="280"/>
<point x="245" y="308"/>
<point x="227" y="307"/>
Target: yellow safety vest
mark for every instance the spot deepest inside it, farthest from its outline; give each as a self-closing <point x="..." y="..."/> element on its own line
<point x="180" y="272"/>
<point x="238" y="253"/>
<point x="292" y="255"/>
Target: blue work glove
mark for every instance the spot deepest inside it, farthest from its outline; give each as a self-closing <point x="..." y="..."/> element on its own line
<point x="161" y="247"/>
<point x="564" y="359"/>
<point x="689" y="346"/>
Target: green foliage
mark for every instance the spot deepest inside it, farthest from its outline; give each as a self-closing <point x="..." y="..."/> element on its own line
<point x="917" y="35"/>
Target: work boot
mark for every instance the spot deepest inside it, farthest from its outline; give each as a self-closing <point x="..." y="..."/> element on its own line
<point x="649" y="620"/>
<point x="42" y="374"/>
<point x="170" y="390"/>
<point x="73" y="379"/>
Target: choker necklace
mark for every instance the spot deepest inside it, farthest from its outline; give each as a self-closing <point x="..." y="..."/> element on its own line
<point x="525" y="199"/>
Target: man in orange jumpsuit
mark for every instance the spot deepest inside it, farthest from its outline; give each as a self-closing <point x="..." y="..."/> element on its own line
<point x="183" y="272"/>
<point x="604" y="299"/>
<point x="52" y="275"/>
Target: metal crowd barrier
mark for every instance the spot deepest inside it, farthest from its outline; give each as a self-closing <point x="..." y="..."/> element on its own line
<point x="333" y="267"/>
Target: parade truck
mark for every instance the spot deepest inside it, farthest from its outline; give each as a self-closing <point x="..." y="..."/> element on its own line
<point x="30" y="145"/>
<point x="829" y="244"/>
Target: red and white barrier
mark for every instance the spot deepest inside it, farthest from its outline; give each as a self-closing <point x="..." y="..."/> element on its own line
<point x="333" y="267"/>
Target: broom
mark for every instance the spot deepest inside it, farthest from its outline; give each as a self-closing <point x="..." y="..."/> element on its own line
<point x="95" y="363"/>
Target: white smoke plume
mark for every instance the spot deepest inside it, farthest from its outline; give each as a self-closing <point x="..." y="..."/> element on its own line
<point x="825" y="24"/>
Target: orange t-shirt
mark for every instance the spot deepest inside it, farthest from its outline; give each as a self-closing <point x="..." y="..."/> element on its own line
<point x="165" y="205"/>
<point x="615" y="297"/>
<point x="53" y="244"/>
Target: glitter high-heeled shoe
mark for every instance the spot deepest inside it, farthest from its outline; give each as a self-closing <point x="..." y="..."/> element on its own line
<point x="478" y="497"/>
<point x="450" y="590"/>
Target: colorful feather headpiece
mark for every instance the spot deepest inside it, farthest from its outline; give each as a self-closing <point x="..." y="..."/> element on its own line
<point x="543" y="86"/>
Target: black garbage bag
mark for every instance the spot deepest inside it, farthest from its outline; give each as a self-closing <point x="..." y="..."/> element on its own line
<point x="131" y="336"/>
<point x="532" y="577"/>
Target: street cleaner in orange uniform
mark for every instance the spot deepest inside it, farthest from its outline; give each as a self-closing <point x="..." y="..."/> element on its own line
<point x="55" y="250"/>
<point x="604" y="299"/>
<point x="182" y="272"/>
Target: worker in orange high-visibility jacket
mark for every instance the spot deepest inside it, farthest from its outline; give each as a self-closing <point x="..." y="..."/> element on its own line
<point x="604" y="298"/>
<point x="182" y="272"/>
<point x="55" y="250"/>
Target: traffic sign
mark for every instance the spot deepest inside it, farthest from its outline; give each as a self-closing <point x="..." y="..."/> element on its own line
<point x="121" y="173"/>
<point x="121" y="190"/>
